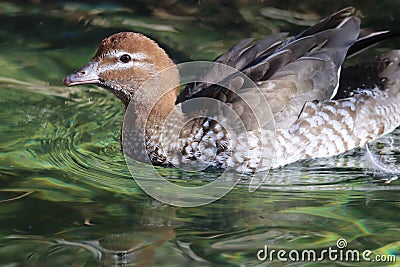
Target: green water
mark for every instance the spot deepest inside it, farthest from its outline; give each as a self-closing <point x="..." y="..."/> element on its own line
<point x="67" y="197"/>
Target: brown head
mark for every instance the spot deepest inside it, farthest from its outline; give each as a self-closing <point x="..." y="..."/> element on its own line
<point x="122" y="63"/>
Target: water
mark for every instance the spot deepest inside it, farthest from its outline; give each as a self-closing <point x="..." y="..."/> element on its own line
<point x="66" y="195"/>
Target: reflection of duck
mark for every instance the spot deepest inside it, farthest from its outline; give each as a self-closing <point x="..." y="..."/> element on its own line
<point x="314" y="114"/>
<point x="130" y="248"/>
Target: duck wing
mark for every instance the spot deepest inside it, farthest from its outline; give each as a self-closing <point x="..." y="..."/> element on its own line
<point x="288" y="72"/>
<point x="244" y="55"/>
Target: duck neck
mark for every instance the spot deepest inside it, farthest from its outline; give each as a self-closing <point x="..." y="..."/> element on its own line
<point x="154" y="101"/>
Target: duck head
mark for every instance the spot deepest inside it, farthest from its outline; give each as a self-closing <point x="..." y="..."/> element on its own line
<point x="122" y="63"/>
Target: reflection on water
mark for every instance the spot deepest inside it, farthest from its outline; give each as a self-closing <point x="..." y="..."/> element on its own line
<point x="66" y="196"/>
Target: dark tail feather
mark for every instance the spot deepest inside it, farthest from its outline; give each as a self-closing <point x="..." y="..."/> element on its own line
<point x="380" y="72"/>
<point x="369" y="40"/>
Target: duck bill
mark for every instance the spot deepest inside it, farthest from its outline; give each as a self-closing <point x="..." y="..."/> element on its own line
<point x="85" y="75"/>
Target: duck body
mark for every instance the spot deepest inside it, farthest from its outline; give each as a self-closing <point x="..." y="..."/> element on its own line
<point x="303" y="107"/>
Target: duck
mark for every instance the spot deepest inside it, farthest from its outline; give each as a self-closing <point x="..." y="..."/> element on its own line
<point x="302" y="103"/>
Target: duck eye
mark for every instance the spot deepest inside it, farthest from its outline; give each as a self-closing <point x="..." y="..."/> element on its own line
<point x="125" y="58"/>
